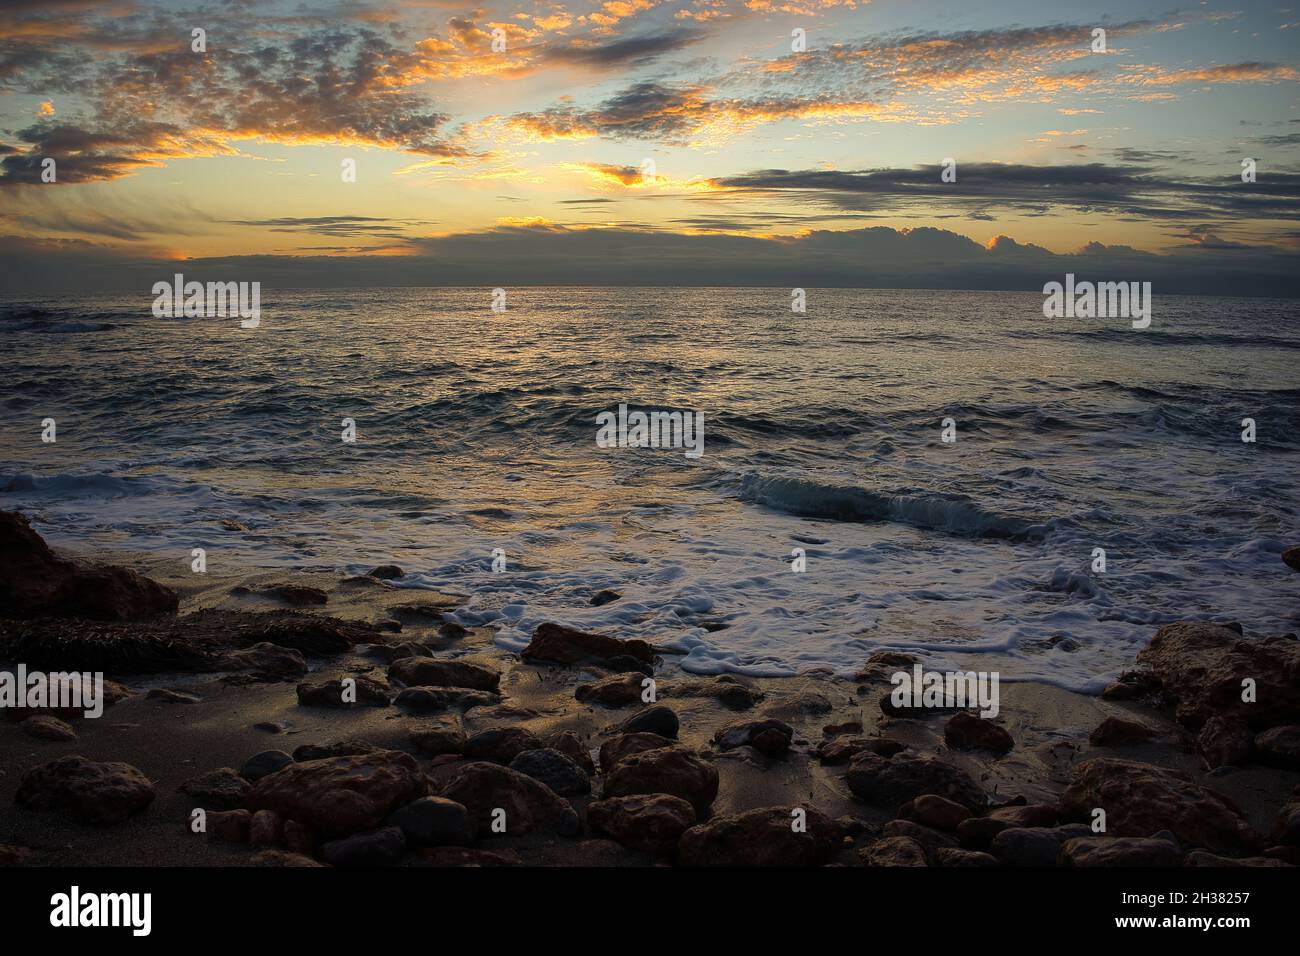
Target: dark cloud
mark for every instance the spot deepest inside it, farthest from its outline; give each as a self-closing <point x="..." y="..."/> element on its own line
<point x="336" y="226"/>
<point x="629" y="51"/>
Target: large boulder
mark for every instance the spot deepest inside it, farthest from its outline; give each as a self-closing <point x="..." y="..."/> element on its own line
<point x="1202" y="667"/>
<point x="650" y="822"/>
<point x="337" y="796"/>
<point x="431" y="672"/>
<point x="770" y="836"/>
<point x="100" y="794"/>
<point x="556" y="644"/>
<point x="35" y="582"/>
<point x="890" y="781"/>
<point x="1141" y="800"/>
<point x="673" y="770"/>
<point x="484" y="788"/>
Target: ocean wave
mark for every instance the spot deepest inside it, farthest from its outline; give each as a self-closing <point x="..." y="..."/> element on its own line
<point x="953" y="514"/>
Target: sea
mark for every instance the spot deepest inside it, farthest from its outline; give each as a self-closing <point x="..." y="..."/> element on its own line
<point x="1093" y="486"/>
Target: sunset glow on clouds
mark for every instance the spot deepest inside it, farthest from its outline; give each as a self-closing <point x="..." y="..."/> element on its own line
<point x="214" y="153"/>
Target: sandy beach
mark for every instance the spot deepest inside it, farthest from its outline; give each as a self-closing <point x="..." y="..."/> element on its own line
<point x="756" y="750"/>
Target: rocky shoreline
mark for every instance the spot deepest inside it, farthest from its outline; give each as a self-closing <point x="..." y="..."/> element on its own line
<point x="257" y="720"/>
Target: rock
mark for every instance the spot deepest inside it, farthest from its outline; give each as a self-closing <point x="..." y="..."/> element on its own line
<point x="769" y="737"/>
<point x="268" y="662"/>
<point x="1290" y="855"/>
<point x="431" y="700"/>
<point x="1286" y="829"/>
<point x="500" y="745"/>
<point x="101" y="794"/>
<point x="296" y="594"/>
<point x="528" y="804"/>
<point x="1140" y="799"/>
<point x="1205" y="858"/>
<point x="603" y="597"/>
<point x="281" y="858"/>
<point x="882" y="665"/>
<point x="1120" y="851"/>
<point x="1291" y="558"/>
<point x="966" y="731"/>
<point x="1034" y="846"/>
<point x="726" y="689"/>
<point x="894" y="851"/>
<point x="891" y="781"/>
<point x="650" y="823"/>
<point x="341" y="795"/>
<point x="938" y="812"/>
<point x="435" y="741"/>
<point x="1280" y="747"/>
<point x="386" y="572"/>
<point x="568" y="743"/>
<point x="221" y="789"/>
<point x="167" y="696"/>
<point x="226" y="826"/>
<point x="265" y="830"/>
<point x="977" y="833"/>
<point x="1118" y="732"/>
<point x="1202" y="667"/>
<point x="555" y="644"/>
<point x="653" y="720"/>
<point x="435" y="821"/>
<point x="615" y="749"/>
<point x="457" y="856"/>
<point x="1026" y="815"/>
<point x="672" y="770"/>
<point x="268" y="761"/>
<point x="1133" y="685"/>
<point x="34" y="582"/>
<point x="377" y="848"/>
<point x="617" y="690"/>
<point x="553" y="769"/>
<point x="364" y="691"/>
<point x="340" y="748"/>
<point x="1224" y="742"/>
<point x="431" y="672"/>
<point x="954" y="856"/>
<point x="849" y="727"/>
<point x="298" y="838"/>
<point x="931" y="839"/>
<point x="841" y="749"/>
<point x="762" y="837"/>
<point x="48" y="728"/>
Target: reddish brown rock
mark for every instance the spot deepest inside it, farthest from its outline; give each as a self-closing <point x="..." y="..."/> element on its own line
<point x="617" y="690"/>
<point x="461" y="856"/>
<point x="500" y="745"/>
<point x="34" y="582"/>
<point x="882" y="665"/>
<point x="337" y="796"/>
<point x="1119" y="851"/>
<point x="892" y="781"/>
<point x="650" y="823"/>
<point x="100" y="794"/>
<point x="1206" y="858"/>
<point x="894" y="851"/>
<point x="840" y="749"/>
<point x="1224" y="741"/>
<point x="1118" y="732"/>
<point x="47" y="728"/>
<point x="938" y="812"/>
<point x="770" y="836"/>
<point x="363" y="692"/>
<point x="227" y="826"/>
<point x="624" y="745"/>
<point x="529" y="804"/>
<point x="569" y="744"/>
<point x="220" y="789"/>
<point x="967" y="731"/>
<point x="1026" y="815"/>
<point x="672" y="770"/>
<point x="298" y="838"/>
<point x="431" y="672"/>
<point x="555" y="644"/>
<point x="769" y="737"/>
<point x="1202" y="666"/>
<point x="295" y="594"/>
<point x="266" y="829"/>
<point x="1141" y="800"/>
<point x="955" y="856"/>
<point x="1280" y="747"/>
<point x="436" y="741"/>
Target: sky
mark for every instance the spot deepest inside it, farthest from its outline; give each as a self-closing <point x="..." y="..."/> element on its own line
<point x="651" y="142"/>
